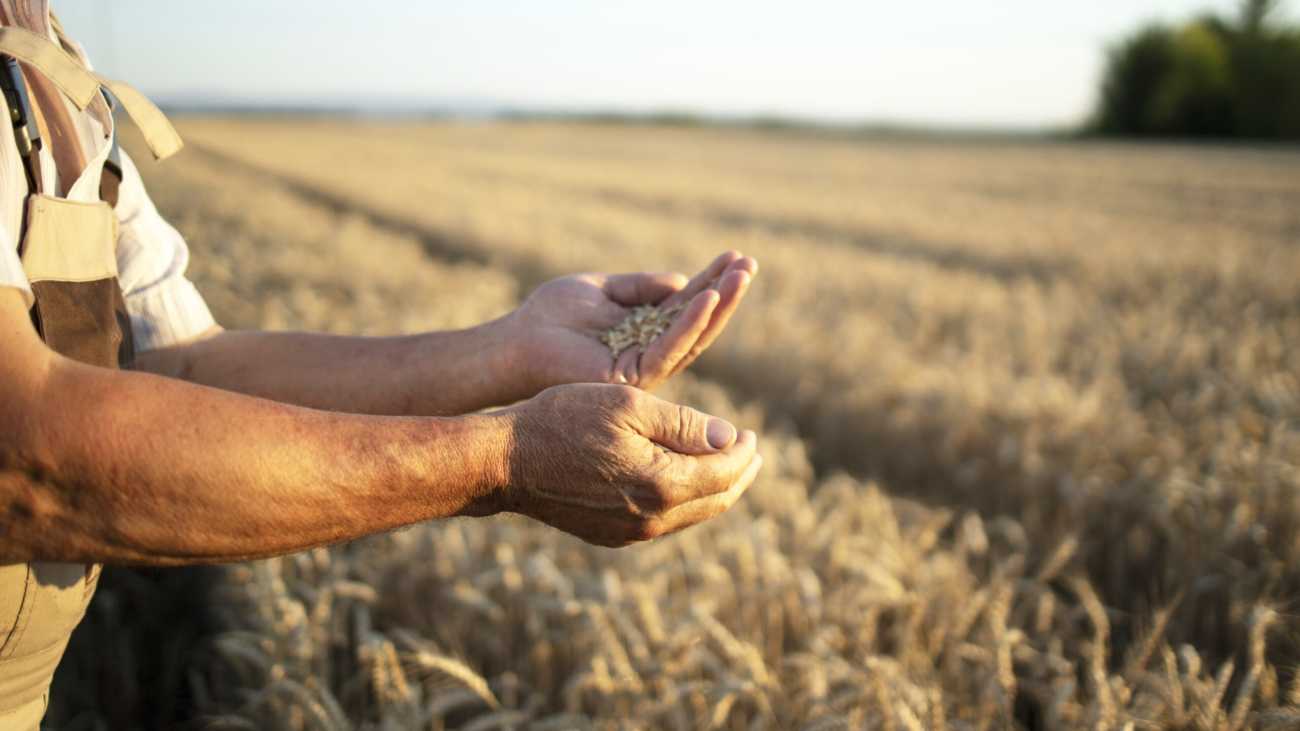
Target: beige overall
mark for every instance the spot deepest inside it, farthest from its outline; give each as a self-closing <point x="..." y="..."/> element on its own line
<point x="68" y="251"/>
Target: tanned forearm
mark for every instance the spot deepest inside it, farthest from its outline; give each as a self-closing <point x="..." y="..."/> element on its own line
<point x="106" y="466"/>
<point x="440" y="373"/>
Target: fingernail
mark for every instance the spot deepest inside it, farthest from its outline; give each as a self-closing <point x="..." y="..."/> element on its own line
<point x="719" y="433"/>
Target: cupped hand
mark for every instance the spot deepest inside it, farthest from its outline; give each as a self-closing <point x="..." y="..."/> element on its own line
<point x="590" y="460"/>
<point x="560" y="324"/>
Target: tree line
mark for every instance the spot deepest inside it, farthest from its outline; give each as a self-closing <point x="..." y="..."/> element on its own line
<point x="1211" y="77"/>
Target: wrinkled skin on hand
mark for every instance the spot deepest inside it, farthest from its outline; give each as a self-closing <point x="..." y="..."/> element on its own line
<point x="560" y="324"/>
<point x="586" y="459"/>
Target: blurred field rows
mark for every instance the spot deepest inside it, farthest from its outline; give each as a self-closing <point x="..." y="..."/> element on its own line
<point x="1047" y="320"/>
<point x="1095" y="349"/>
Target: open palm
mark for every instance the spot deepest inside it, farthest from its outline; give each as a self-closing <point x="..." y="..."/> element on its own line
<point x="561" y="323"/>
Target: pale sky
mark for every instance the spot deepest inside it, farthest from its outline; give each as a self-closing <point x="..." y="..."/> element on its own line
<point x="964" y="63"/>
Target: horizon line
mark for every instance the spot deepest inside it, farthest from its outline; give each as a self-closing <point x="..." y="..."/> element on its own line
<point x="468" y="109"/>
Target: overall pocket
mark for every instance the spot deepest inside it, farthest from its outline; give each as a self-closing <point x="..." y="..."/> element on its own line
<point x="69" y="256"/>
<point x="42" y="604"/>
<point x="13" y="592"/>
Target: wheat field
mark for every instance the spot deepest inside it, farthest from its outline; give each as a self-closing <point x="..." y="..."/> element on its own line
<point x="1028" y="411"/>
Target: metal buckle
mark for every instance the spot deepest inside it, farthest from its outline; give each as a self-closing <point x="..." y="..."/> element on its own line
<point x="26" y="133"/>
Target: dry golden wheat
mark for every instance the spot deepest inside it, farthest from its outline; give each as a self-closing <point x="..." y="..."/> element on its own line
<point x="639" y="328"/>
<point x="1065" y="379"/>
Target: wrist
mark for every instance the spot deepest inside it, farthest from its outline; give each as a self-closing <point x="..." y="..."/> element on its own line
<point x="460" y="371"/>
<point x="485" y="444"/>
<point x="522" y="357"/>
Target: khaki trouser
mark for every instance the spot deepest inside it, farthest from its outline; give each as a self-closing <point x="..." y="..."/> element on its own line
<point x="40" y="604"/>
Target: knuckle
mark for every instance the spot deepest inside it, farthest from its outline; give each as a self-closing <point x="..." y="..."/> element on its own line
<point x="623" y="397"/>
<point x="690" y="423"/>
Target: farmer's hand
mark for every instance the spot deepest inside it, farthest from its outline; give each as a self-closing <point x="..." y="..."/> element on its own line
<point x="558" y="328"/>
<point x="585" y="459"/>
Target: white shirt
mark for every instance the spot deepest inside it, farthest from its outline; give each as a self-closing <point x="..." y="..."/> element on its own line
<point x="165" y="307"/>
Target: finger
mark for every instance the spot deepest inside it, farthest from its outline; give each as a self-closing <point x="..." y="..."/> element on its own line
<point x="642" y="288"/>
<point x="696" y="477"/>
<point x="704" y="279"/>
<point x="730" y="290"/>
<point x="665" y="351"/>
<point x="746" y="264"/>
<point x="625" y="367"/>
<point x="680" y="428"/>
<point x="710" y="506"/>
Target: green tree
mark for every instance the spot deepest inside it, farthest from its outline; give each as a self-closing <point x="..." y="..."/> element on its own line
<point x="1207" y="77"/>
<point x="1135" y="73"/>
<point x="1195" y="94"/>
<point x="1254" y="13"/>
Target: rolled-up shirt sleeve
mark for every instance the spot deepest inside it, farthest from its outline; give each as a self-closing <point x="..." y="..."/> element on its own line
<point x="11" y="268"/>
<point x="165" y="307"/>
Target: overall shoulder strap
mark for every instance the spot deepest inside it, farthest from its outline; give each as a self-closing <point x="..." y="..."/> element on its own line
<point x="159" y="133"/>
<point x="43" y="55"/>
<point x="26" y="131"/>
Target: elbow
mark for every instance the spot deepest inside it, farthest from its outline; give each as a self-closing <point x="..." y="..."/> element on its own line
<point x="30" y="514"/>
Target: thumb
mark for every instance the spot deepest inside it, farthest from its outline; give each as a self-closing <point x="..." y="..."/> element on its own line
<point x="685" y="430"/>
